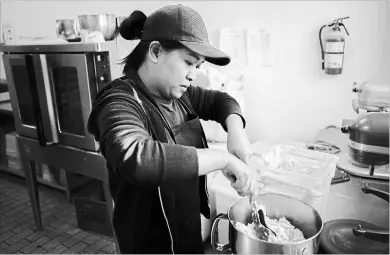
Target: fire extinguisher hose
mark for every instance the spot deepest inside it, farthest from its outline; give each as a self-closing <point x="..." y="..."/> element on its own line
<point x="322" y="48"/>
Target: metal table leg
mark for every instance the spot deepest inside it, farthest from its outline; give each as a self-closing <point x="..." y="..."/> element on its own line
<point x="67" y="187"/>
<point x="31" y="181"/>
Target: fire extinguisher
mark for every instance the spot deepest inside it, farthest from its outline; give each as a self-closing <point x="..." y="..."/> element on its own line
<point x="332" y="51"/>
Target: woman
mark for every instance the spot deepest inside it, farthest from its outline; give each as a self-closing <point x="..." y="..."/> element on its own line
<point x="147" y="124"/>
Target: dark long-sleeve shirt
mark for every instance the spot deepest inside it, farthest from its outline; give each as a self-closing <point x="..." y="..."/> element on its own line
<point x="120" y="125"/>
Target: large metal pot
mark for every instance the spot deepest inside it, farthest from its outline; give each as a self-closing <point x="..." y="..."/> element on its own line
<point x="105" y="23"/>
<point x="300" y="214"/>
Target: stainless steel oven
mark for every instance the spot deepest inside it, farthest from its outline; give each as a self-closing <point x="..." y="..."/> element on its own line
<point x="52" y="88"/>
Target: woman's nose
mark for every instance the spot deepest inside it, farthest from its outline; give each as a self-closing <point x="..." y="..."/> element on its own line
<point x="191" y="76"/>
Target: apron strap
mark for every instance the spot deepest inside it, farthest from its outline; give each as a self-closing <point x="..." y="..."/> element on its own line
<point x="187" y="103"/>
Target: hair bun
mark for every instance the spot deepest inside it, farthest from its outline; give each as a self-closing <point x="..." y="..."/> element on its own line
<point x="131" y="28"/>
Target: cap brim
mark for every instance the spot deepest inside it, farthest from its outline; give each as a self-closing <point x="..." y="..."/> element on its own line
<point x="211" y="54"/>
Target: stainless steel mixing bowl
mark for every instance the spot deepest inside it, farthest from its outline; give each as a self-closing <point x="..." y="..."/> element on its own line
<point x="68" y="29"/>
<point x="105" y="23"/>
<point x="300" y="214"/>
<point x="120" y="19"/>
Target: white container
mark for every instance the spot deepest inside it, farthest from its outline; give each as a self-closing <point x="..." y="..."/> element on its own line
<point x="297" y="172"/>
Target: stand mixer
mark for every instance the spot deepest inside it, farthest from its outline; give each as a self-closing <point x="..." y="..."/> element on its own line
<point x="368" y="142"/>
<point x="367" y="158"/>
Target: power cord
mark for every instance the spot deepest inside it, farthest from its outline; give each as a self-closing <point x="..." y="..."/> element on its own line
<point x="333" y="126"/>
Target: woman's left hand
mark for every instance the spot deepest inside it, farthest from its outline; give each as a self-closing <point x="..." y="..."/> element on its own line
<point x="238" y="144"/>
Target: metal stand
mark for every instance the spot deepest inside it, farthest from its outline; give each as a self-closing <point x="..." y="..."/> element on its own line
<point x="372" y="168"/>
<point x="90" y="164"/>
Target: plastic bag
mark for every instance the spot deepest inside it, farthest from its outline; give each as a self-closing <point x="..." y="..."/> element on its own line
<point x="296" y="172"/>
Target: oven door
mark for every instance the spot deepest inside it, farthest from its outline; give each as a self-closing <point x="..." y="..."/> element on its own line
<point x="25" y="101"/>
<point x="70" y="86"/>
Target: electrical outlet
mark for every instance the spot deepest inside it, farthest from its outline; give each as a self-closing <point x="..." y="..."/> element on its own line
<point x="9" y="34"/>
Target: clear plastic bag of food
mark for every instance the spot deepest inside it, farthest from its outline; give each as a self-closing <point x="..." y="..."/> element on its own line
<point x="296" y="172"/>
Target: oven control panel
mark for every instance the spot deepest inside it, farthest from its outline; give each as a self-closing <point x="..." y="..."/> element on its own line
<point x="102" y="69"/>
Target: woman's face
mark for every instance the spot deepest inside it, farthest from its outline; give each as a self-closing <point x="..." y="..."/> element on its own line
<point x="175" y="72"/>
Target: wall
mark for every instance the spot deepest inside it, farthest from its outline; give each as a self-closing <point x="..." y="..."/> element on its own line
<point x="292" y="99"/>
<point x="2" y="75"/>
<point x="386" y="65"/>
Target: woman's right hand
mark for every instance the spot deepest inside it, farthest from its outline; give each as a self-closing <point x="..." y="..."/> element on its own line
<point x="241" y="176"/>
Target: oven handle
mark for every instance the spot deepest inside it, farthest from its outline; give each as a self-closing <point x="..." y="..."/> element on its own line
<point x="35" y="99"/>
<point x="50" y="105"/>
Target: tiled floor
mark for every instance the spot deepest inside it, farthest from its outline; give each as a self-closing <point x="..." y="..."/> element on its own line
<point x="60" y="234"/>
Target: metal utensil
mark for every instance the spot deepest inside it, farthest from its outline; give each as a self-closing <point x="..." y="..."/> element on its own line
<point x="324" y="147"/>
<point x="261" y="231"/>
<point x="260" y="212"/>
<point x="261" y="227"/>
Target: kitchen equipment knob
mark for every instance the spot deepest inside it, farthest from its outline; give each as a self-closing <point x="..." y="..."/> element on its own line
<point x="100" y="58"/>
<point x="103" y="77"/>
<point x="344" y="129"/>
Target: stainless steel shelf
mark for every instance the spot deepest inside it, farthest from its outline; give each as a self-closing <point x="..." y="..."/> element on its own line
<point x="64" y="47"/>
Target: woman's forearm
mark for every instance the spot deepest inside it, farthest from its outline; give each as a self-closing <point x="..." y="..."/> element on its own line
<point x="211" y="160"/>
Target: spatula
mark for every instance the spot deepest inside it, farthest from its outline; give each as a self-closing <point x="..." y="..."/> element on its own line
<point x="261" y="232"/>
<point x="261" y="214"/>
<point x="258" y="217"/>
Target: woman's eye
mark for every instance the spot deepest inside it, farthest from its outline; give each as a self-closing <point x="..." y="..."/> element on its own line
<point x="189" y="63"/>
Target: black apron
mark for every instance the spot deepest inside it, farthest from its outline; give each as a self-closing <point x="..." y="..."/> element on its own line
<point x="183" y="202"/>
<point x="187" y="202"/>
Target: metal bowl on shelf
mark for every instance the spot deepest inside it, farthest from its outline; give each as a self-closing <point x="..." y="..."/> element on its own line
<point x="120" y="19"/>
<point x="105" y="23"/>
<point x="68" y="29"/>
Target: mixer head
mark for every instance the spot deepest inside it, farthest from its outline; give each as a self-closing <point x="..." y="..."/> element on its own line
<point x="371" y="97"/>
<point x="369" y="138"/>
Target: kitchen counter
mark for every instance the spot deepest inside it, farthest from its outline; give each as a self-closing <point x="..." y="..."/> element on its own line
<point x="345" y="200"/>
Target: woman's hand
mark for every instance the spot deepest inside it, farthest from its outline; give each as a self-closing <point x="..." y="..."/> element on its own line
<point x="241" y="177"/>
<point x="238" y="142"/>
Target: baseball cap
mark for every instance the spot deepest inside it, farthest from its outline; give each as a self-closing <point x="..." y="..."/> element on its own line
<point x="184" y="25"/>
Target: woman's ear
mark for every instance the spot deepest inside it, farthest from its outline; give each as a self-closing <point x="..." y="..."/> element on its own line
<point x="154" y="51"/>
